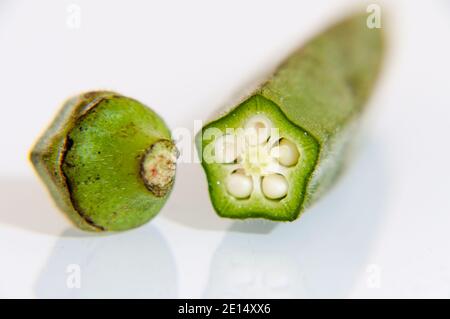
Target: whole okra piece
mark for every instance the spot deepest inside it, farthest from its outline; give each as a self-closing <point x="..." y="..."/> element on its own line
<point x="279" y="150"/>
<point x="108" y="161"/>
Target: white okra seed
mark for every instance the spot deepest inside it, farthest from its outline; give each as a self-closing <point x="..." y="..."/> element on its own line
<point x="226" y="149"/>
<point x="274" y="186"/>
<point x="239" y="185"/>
<point x="258" y="129"/>
<point x="287" y="153"/>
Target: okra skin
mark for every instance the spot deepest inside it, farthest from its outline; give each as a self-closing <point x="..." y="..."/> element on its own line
<point x="321" y="89"/>
<point x="91" y="156"/>
<point x="47" y="155"/>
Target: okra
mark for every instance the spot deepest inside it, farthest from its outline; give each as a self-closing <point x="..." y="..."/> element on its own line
<point x="107" y="160"/>
<point x="278" y="151"/>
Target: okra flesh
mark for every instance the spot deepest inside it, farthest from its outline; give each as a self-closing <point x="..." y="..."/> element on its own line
<point x="314" y="100"/>
<point x="257" y="204"/>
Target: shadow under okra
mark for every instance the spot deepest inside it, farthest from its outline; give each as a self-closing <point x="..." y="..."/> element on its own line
<point x="322" y="255"/>
<point x="133" y="264"/>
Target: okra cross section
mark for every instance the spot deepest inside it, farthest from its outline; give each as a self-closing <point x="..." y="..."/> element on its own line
<point x="257" y="161"/>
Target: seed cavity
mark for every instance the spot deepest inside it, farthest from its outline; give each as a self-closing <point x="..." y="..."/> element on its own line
<point x="274" y="186"/>
<point x="239" y="185"/>
<point x="256" y="154"/>
<point x="226" y="149"/>
<point x="286" y="153"/>
<point x="257" y="129"/>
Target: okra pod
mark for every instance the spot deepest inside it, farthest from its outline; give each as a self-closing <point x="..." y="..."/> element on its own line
<point x="107" y="160"/>
<point x="279" y="150"/>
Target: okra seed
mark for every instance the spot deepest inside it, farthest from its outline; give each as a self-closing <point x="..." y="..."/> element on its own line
<point x="256" y="158"/>
<point x="226" y="149"/>
<point x="275" y="186"/>
<point x="287" y="153"/>
<point x="258" y="129"/>
<point x="239" y="185"/>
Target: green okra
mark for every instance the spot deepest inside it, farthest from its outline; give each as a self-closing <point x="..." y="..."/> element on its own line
<point x="280" y="149"/>
<point x="108" y="161"/>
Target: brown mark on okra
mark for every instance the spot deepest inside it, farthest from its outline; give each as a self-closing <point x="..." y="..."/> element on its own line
<point x="67" y="145"/>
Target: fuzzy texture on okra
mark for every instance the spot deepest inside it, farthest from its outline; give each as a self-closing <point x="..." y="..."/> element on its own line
<point x="278" y="151"/>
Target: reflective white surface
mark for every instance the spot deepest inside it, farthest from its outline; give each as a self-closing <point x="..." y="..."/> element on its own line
<point x="382" y="231"/>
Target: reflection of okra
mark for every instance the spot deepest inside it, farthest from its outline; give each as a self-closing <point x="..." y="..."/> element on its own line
<point x="276" y="152"/>
<point x="107" y="160"/>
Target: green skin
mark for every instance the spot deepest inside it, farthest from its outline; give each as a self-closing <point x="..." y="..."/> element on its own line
<point x="315" y="99"/>
<point x="91" y="159"/>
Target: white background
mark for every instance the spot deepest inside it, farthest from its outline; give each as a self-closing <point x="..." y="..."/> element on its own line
<point x="382" y="231"/>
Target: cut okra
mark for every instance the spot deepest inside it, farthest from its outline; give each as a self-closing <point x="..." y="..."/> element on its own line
<point x="107" y="160"/>
<point x="275" y="153"/>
